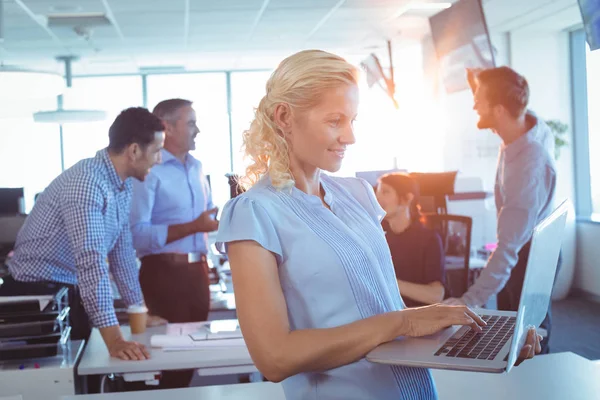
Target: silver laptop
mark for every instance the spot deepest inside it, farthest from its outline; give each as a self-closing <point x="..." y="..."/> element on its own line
<point x="496" y="348"/>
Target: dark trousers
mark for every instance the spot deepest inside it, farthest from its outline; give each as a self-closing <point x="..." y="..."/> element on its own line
<point x="510" y="295"/>
<point x="177" y="291"/>
<point x="78" y="319"/>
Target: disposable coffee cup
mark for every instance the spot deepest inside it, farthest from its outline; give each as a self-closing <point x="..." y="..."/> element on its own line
<point x="138" y="315"/>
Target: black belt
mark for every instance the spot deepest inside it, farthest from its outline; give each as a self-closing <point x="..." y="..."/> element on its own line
<point x="176" y="258"/>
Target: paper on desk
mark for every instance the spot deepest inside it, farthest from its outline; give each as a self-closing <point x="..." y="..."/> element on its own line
<point x="207" y="330"/>
<point x="186" y="328"/>
<point x="185" y="342"/>
<point x="43" y="300"/>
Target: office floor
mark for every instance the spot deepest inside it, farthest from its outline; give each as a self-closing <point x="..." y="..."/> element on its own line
<point x="576" y="327"/>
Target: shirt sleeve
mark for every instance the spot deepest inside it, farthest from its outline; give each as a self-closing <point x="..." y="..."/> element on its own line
<point x="147" y="237"/>
<point x="81" y="209"/>
<point x="245" y="219"/>
<point x="123" y="265"/>
<point x="527" y="189"/>
<point x="434" y="262"/>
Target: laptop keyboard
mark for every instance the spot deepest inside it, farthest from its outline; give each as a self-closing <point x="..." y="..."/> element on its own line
<point x="466" y="343"/>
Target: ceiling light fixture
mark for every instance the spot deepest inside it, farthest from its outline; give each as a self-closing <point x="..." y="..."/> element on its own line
<point x="62" y="116"/>
<point x="21" y="83"/>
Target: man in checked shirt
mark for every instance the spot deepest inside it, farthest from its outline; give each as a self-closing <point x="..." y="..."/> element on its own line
<point x="80" y="222"/>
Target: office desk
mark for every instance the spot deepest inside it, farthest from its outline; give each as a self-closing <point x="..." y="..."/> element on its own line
<point x="558" y="376"/>
<point x="246" y="391"/>
<point x="222" y="306"/>
<point x="457" y="263"/>
<point x="551" y="377"/>
<point x="455" y="273"/>
<point x="97" y="361"/>
<point x="47" y="378"/>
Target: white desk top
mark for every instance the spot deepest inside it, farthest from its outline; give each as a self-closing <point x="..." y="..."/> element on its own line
<point x="457" y="262"/>
<point x="246" y="391"/>
<point x="550" y="377"/>
<point x="97" y="361"/>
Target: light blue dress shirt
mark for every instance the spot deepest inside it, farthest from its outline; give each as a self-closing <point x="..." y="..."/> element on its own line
<point x="172" y="193"/>
<point x="524" y="194"/>
<point x="335" y="268"/>
<point x="77" y="223"/>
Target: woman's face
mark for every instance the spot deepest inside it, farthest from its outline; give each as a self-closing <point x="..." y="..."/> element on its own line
<point x="319" y="136"/>
<point x="390" y="201"/>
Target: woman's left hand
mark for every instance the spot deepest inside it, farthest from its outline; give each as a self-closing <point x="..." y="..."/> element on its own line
<point x="532" y="346"/>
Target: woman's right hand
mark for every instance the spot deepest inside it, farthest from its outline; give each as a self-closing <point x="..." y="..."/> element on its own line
<point x="423" y="321"/>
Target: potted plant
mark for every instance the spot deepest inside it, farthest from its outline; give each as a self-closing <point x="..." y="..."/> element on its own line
<point x="559" y="130"/>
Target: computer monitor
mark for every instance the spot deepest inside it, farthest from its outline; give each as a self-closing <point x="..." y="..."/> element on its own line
<point x="461" y="40"/>
<point x="590" y="13"/>
<point x="11" y="200"/>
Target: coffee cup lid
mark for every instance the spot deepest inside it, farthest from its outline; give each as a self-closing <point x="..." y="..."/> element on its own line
<point x="134" y="309"/>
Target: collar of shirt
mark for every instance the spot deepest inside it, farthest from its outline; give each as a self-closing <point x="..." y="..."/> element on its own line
<point x="512" y="150"/>
<point x="168" y="157"/>
<point x="110" y="168"/>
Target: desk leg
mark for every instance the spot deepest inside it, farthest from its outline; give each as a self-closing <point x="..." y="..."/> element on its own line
<point x="83" y="385"/>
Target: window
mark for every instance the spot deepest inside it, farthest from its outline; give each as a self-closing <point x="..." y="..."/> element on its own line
<point x="208" y="91"/>
<point x="29" y="152"/>
<point x="111" y="94"/>
<point x="593" y="122"/>
<point x="387" y="137"/>
<point x="247" y="89"/>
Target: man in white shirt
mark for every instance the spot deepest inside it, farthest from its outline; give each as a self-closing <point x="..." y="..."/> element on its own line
<point x="524" y="189"/>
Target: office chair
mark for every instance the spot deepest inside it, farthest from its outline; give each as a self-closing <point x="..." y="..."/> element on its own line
<point x="235" y="188"/>
<point x="455" y="232"/>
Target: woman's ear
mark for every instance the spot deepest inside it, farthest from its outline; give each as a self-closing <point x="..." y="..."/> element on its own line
<point x="408" y="198"/>
<point x="282" y="116"/>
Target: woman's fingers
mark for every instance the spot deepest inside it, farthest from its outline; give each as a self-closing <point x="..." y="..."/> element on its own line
<point x="475" y="317"/>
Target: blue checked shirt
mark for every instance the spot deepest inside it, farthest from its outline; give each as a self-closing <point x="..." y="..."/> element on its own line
<point x="78" y="223"/>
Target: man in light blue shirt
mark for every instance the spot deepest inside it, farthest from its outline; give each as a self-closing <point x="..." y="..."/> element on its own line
<point x="524" y="189"/>
<point x="172" y="212"/>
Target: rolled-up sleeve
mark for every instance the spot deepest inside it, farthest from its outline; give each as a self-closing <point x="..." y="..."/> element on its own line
<point x="147" y="237"/>
<point x="528" y="186"/>
<point x="123" y="265"/>
<point x="81" y="210"/>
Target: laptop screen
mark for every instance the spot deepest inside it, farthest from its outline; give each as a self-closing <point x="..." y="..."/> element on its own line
<point x="539" y="277"/>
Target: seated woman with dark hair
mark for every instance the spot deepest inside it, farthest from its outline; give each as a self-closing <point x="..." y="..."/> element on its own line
<point x="417" y="251"/>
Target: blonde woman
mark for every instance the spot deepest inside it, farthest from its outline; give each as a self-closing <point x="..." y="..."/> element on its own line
<point x="314" y="282"/>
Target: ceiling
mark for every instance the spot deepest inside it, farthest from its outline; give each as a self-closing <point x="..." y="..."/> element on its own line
<point x="161" y="35"/>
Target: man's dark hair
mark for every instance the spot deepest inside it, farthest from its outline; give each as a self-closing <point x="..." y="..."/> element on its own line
<point x="133" y="125"/>
<point x="167" y="109"/>
<point x="507" y="88"/>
